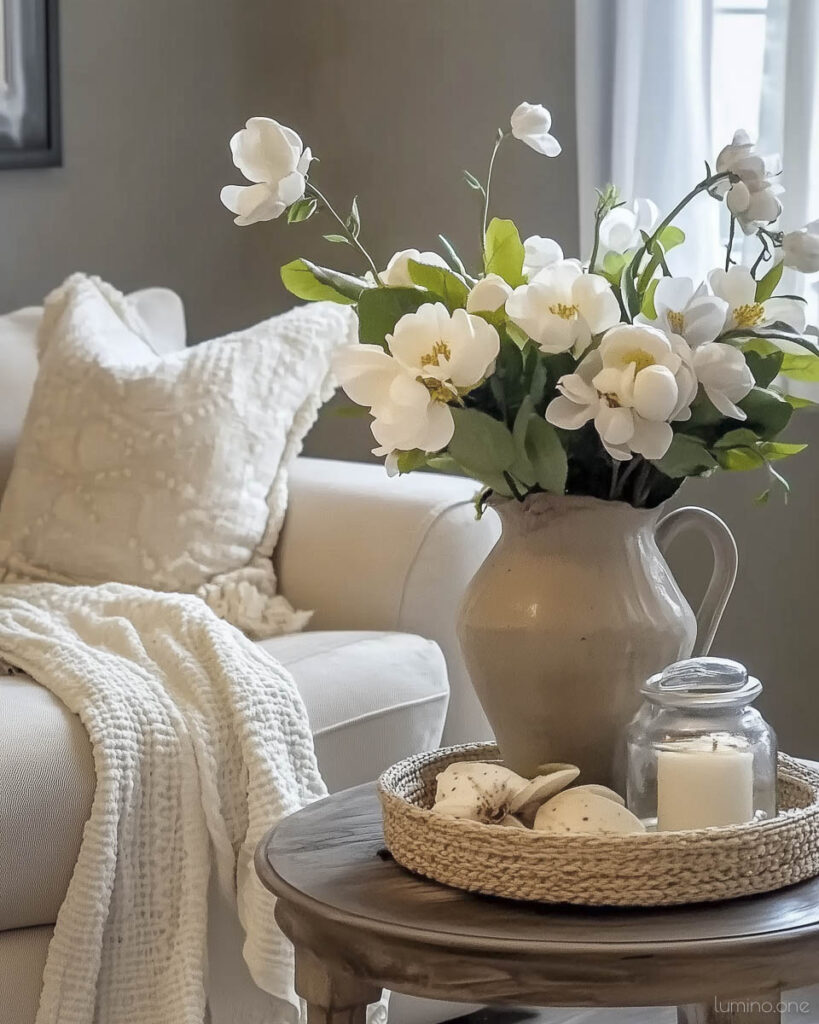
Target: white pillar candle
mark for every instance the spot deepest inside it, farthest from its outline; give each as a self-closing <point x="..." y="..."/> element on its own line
<point x="703" y="782"/>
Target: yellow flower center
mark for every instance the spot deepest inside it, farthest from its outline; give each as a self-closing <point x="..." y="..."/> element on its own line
<point x="676" y="321"/>
<point x="439" y="391"/>
<point x="564" y="311"/>
<point x="611" y="400"/>
<point x="749" y="315"/>
<point x="639" y="357"/>
<point x="433" y="358"/>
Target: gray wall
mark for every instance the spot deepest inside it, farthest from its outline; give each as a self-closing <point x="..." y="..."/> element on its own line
<point x="396" y="98"/>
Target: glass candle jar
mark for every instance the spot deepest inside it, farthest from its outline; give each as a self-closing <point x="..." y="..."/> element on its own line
<point x="698" y="754"/>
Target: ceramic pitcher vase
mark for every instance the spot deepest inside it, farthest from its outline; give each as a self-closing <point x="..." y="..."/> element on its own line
<point x="572" y="610"/>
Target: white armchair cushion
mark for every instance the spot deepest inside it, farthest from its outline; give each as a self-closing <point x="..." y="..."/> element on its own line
<point x="164" y="317"/>
<point x="372" y="552"/>
<point x="167" y="472"/>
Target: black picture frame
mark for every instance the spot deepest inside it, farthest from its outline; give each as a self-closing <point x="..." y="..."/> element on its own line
<point x="30" y="116"/>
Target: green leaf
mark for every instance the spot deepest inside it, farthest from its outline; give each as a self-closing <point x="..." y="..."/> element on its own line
<point x="764" y="365"/>
<point x="317" y="284"/>
<point x="380" y="309"/>
<point x="670" y="237"/>
<point x="686" y="456"/>
<point x="301" y="210"/>
<point x="739" y="459"/>
<point x="805" y="368"/>
<point x="795" y="402"/>
<point x="612" y="267"/>
<point x="767" y="413"/>
<point x="354" y="220"/>
<point x="337" y="239"/>
<point x="443" y="283"/>
<point x="775" y="332"/>
<point x="408" y="461"/>
<point x="741" y="438"/>
<point x="767" y="283"/>
<point x="503" y="251"/>
<point x="541" y="455"/>
<point x="647" y="308"/>
<point x="473" y="182"/>
<point x="773" y="450"/>
<point x="483" y="447"/>
<point x="517" y="334"/>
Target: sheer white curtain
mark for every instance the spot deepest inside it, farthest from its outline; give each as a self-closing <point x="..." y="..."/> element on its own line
<point x="789" y="120"/>
<point x="643" y="75"/>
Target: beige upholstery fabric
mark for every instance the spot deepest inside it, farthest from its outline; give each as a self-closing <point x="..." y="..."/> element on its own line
<point x="371" y="698"/>
<point x="398" y="553"/>
<point x="22" y="959"/>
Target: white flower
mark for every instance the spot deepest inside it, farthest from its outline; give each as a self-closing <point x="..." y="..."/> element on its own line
<point x="488" y="294"/>
<point x="397" y="274"/>
<point x="693" y="315"/>
<point x="724" y="375"/>
<point x="531" y="123"/>
<point x="632" y="386"/>
<point x="561" y="307"/>
<point x="434" y="357"/>
<point x="753" y="199"/>
<point x="738" y="288"/>
<point x="620" y="228"/>
<point x="539" y="252"/>
<point x="800" y="249"/>
<point x="271" y="156"/>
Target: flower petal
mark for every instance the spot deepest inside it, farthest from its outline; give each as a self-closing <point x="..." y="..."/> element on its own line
<point x="673" y="293"/>
<point x="704" y="319"/>
<point x="655" y="393"/>
<point x="265" y="150"/>
<point x="596" y="301"/>
<point x="530" y="123"/>
<point x="252" y="203"/>
<point x="540" y="252"/>
<point x="789" y="311"/>
<point x="651" y="439"/>
<point x="614" y="425"/>
<point x="736" y="285"/>
<point x="568" y="415"/>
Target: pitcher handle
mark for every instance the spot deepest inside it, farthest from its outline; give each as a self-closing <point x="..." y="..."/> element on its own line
<point x="724" y="548"/>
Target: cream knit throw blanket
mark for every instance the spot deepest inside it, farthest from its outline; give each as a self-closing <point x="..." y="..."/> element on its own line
<point x="201" y="743"/>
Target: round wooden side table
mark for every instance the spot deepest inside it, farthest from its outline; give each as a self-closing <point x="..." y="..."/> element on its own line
<point x="360" y="923"/>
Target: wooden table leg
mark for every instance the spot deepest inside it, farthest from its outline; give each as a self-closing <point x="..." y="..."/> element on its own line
<point x="761" y="1009"/>
<point x="331" y="998"/>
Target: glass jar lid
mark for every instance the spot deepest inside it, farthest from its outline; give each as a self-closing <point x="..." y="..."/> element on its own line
<point x="703" y="683"/>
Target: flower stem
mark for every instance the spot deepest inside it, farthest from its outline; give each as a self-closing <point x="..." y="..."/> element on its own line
<point x="623" y="477"/>
<point x="310" y="187"/>
<point x="731" y="229"/>
<point x="763" y="255"/>
<point x="485" y="217"/>
<point x="702" y="186"/>
<point x="596" y="244"/>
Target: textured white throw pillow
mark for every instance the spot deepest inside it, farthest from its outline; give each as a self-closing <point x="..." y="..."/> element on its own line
<point x="167" y="472"/>
<point x="160" y="308"/>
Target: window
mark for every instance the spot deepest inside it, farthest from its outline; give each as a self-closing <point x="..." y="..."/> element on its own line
<point x="738" y="63"/>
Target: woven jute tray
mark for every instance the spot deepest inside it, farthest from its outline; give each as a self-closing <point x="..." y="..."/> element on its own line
<point x="646" y="869"/>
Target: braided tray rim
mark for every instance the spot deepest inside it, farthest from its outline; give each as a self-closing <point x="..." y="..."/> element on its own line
<point x="650" y="869"/>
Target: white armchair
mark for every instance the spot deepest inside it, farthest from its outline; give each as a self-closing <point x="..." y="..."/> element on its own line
<point x="372" y="552"/>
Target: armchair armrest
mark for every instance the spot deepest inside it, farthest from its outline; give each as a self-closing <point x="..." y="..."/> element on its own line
<point x="369" y="552"/>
